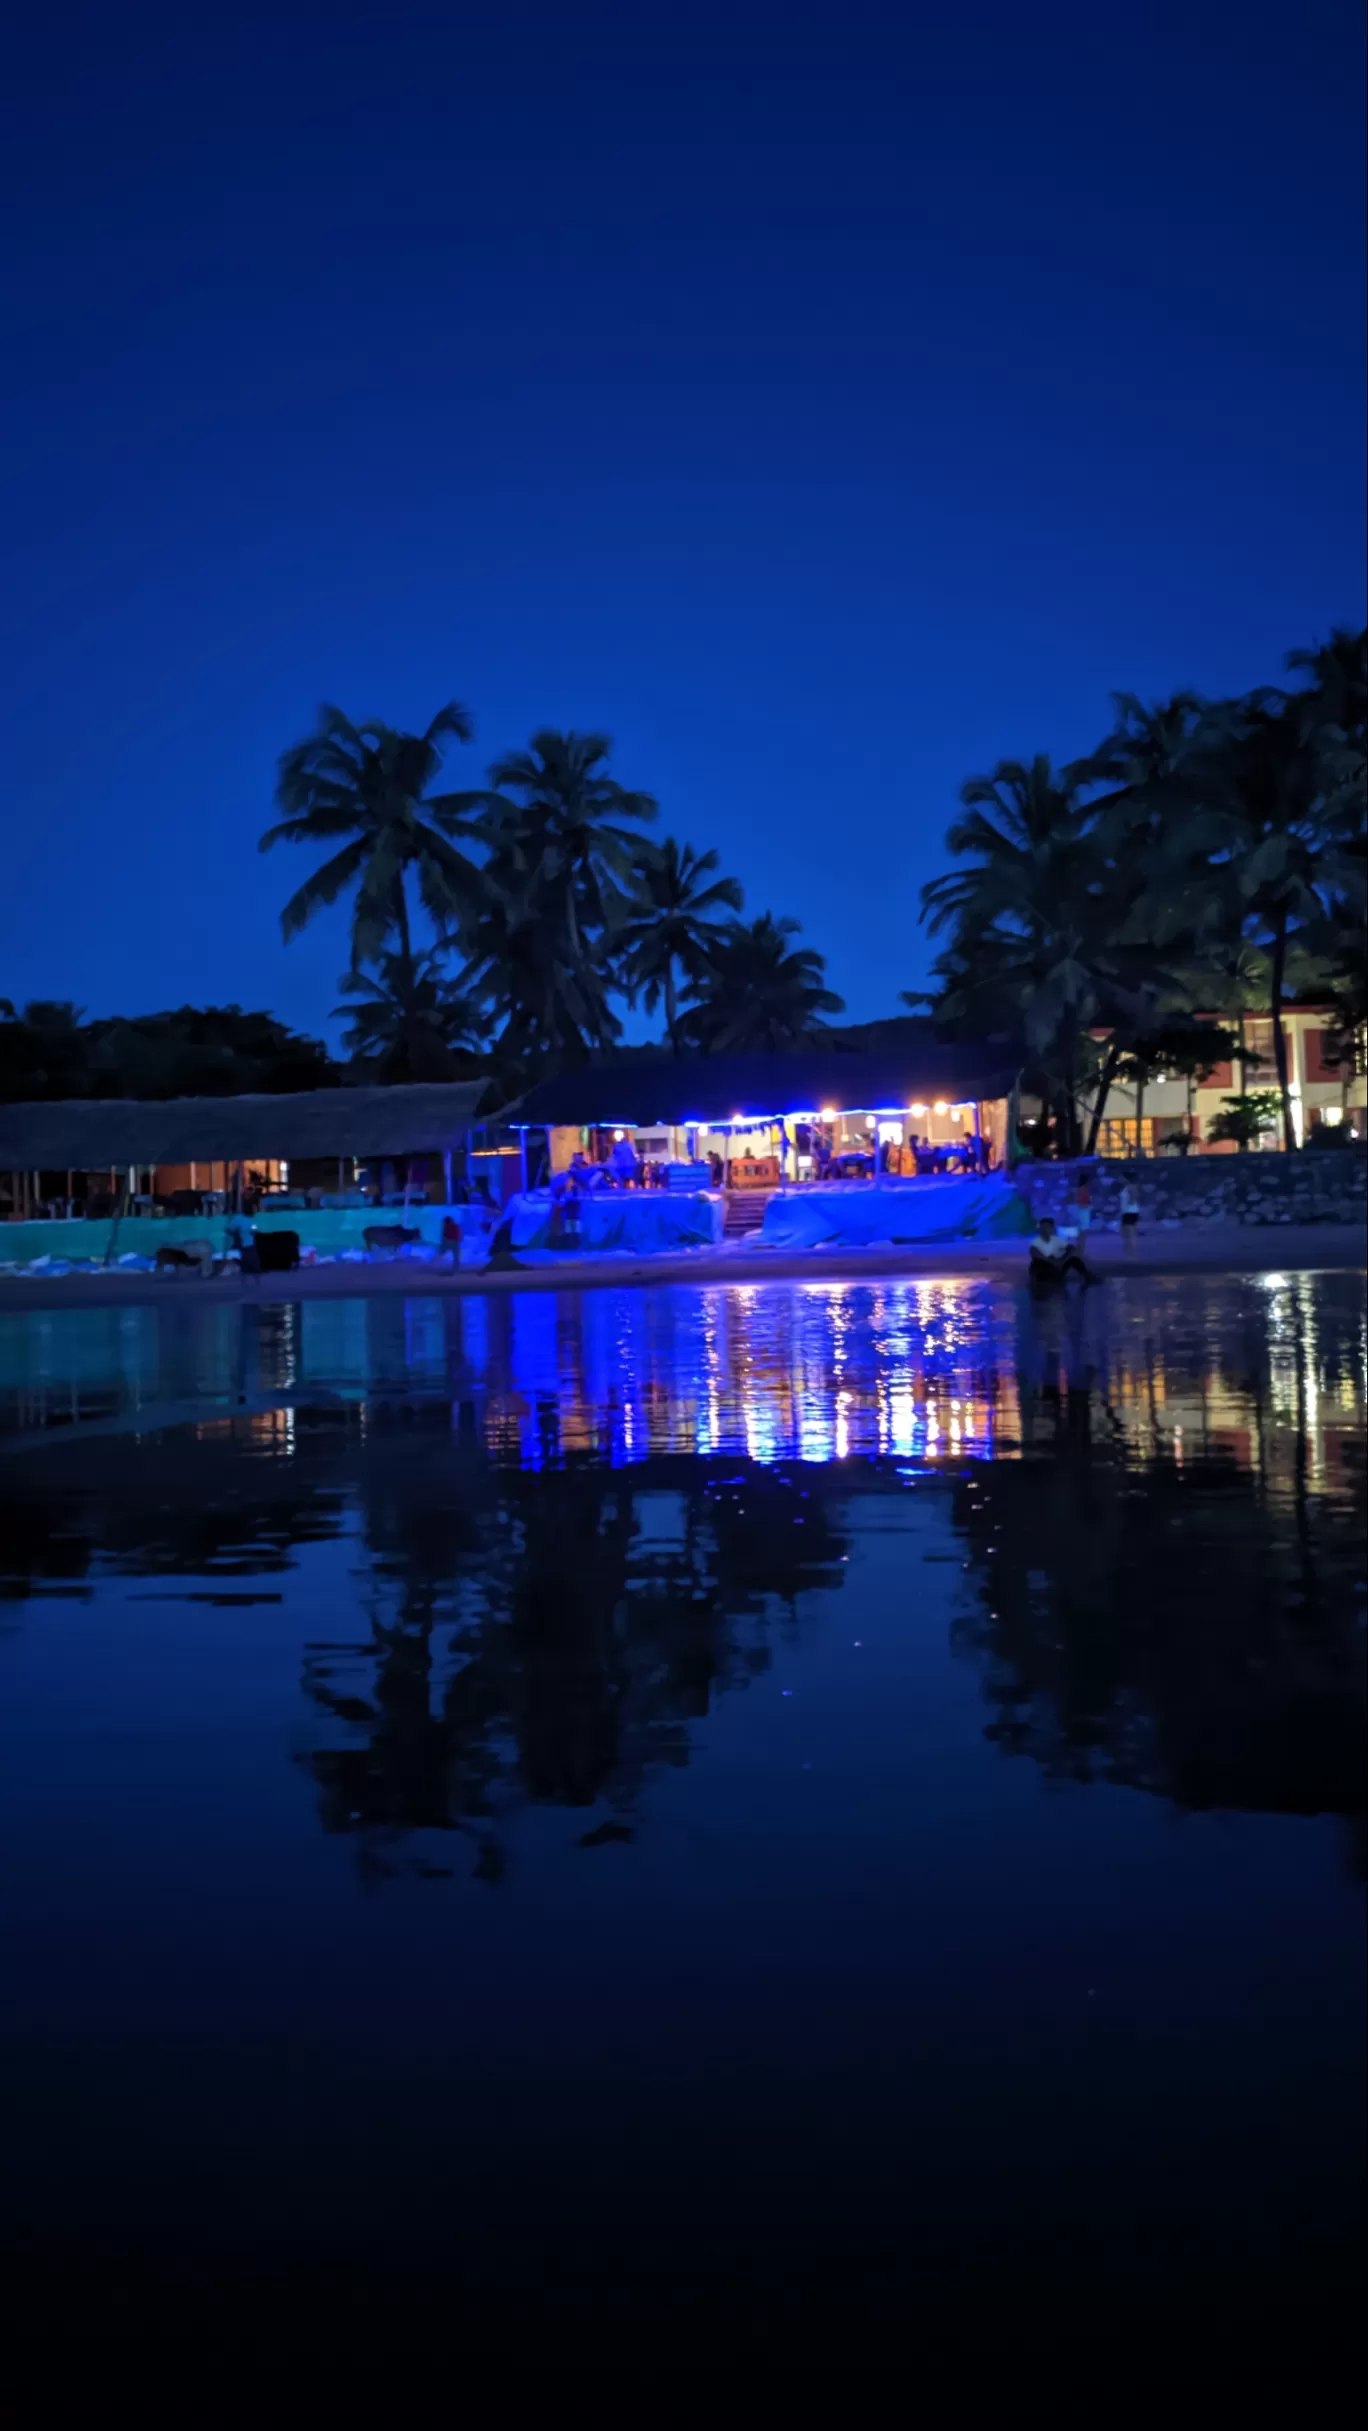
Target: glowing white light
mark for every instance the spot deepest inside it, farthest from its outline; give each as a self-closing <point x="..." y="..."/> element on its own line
<point x="940" y="1106"/>
<point x="828" y="1114"/>
<point x="918" y="1109"/>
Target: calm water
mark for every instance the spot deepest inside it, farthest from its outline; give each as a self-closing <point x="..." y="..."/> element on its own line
<point x="774" y="1799"/>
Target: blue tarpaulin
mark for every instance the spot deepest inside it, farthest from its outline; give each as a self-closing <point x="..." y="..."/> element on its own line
<point x="856" y="1215"/>
<point x="635" y="1221"/>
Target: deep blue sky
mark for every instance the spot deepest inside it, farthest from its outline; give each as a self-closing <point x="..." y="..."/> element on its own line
<point x="824" y="399"/>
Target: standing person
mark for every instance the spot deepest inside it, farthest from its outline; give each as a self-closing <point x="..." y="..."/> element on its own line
<point x="623" y="1162"/>
<point x="1130" y="1209"/>
<point x="1082" y="1206"/>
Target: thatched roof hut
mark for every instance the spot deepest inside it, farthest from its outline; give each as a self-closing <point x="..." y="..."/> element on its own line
<point x="89" y="1134"/>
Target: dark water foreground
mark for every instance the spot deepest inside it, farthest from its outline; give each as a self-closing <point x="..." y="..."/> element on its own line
<point x="778" y="1802"/>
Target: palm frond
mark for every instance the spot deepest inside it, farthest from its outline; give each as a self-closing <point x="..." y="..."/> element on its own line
<point x="324" y="887"/>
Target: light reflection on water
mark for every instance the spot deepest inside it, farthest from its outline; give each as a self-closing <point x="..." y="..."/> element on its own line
<point x="921" y="1371"/>
<point x="820" y="1669"/>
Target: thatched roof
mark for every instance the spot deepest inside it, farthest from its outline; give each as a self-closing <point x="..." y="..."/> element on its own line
<point x="715" y="1088"/>
<point x="90" y="1133"/>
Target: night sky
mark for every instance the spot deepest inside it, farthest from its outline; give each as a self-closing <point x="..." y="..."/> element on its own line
<point x="825" y="400"/>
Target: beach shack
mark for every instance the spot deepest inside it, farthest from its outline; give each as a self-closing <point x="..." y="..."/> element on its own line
<point x="319" y="1160"/>
<point x="756" y="1128"/>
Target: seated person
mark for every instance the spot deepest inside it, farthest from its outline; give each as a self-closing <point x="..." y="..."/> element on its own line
<point x="1054" y="1259"/>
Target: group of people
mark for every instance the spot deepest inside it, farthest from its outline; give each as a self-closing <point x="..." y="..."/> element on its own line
<point x="1056" y="1255"/>
<point x="968" y="1154"/>
<point x="621" y="1170"/>
<point x="904" y="1159"/>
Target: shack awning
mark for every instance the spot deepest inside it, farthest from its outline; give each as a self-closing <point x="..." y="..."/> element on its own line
<point x="89" y="1134"/>
<point x="711" y="1089"/>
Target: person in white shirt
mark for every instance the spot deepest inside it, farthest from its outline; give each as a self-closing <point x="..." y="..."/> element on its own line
<point x="1053" y="1260"/>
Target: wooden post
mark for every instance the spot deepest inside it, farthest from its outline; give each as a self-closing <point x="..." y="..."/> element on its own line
<point x="522" y="1153"/>
<point x="446" y="1175"/>
<point x="119" y="1206"/>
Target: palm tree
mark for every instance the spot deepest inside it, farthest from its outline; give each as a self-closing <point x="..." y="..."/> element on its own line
<point x="411" y="1019"/>
<point x="1333" y="715"/>
<point x="1271" y="835"/>
<point x="369" y="783"/>
<point x="670" y="927"/>
<point x="757" y="993"/>
<point x="1028" y="917"/>
<point x="553" y="1006"/>
<point x="1148" y="746"/>
<point x="1334" y="705"/>
<point x="557" y="811"/>
<point x="1245" y="1119"/>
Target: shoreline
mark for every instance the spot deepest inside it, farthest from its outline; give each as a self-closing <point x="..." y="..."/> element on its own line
<point x="1219" y="1249"/>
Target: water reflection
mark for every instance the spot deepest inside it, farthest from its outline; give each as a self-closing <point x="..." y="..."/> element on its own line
<point x="572" y="1524"/>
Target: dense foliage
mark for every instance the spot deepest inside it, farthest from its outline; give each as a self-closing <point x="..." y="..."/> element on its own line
<point x="561" y="908"/>
<point x="50" y="1050"/>
<point x="1207" y="858"/>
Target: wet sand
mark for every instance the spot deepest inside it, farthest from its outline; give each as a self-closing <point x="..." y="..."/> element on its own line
<point x="1215" y="1249"/>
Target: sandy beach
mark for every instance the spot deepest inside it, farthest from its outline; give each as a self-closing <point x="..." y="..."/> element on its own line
<point x="1223" y="1249"/>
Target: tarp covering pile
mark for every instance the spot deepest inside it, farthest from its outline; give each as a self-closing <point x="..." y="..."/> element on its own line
<point x="636" y="1222"/>
<point x="861" y="1215"/>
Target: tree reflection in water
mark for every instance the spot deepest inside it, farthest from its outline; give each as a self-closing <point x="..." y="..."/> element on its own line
<point x="555" y="1646"/>
<point x="578" y="1520"/>
<point x="1180" y="1613"/>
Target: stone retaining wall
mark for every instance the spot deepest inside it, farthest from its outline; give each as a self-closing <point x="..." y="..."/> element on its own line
<point x="1314" y="1186"/>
